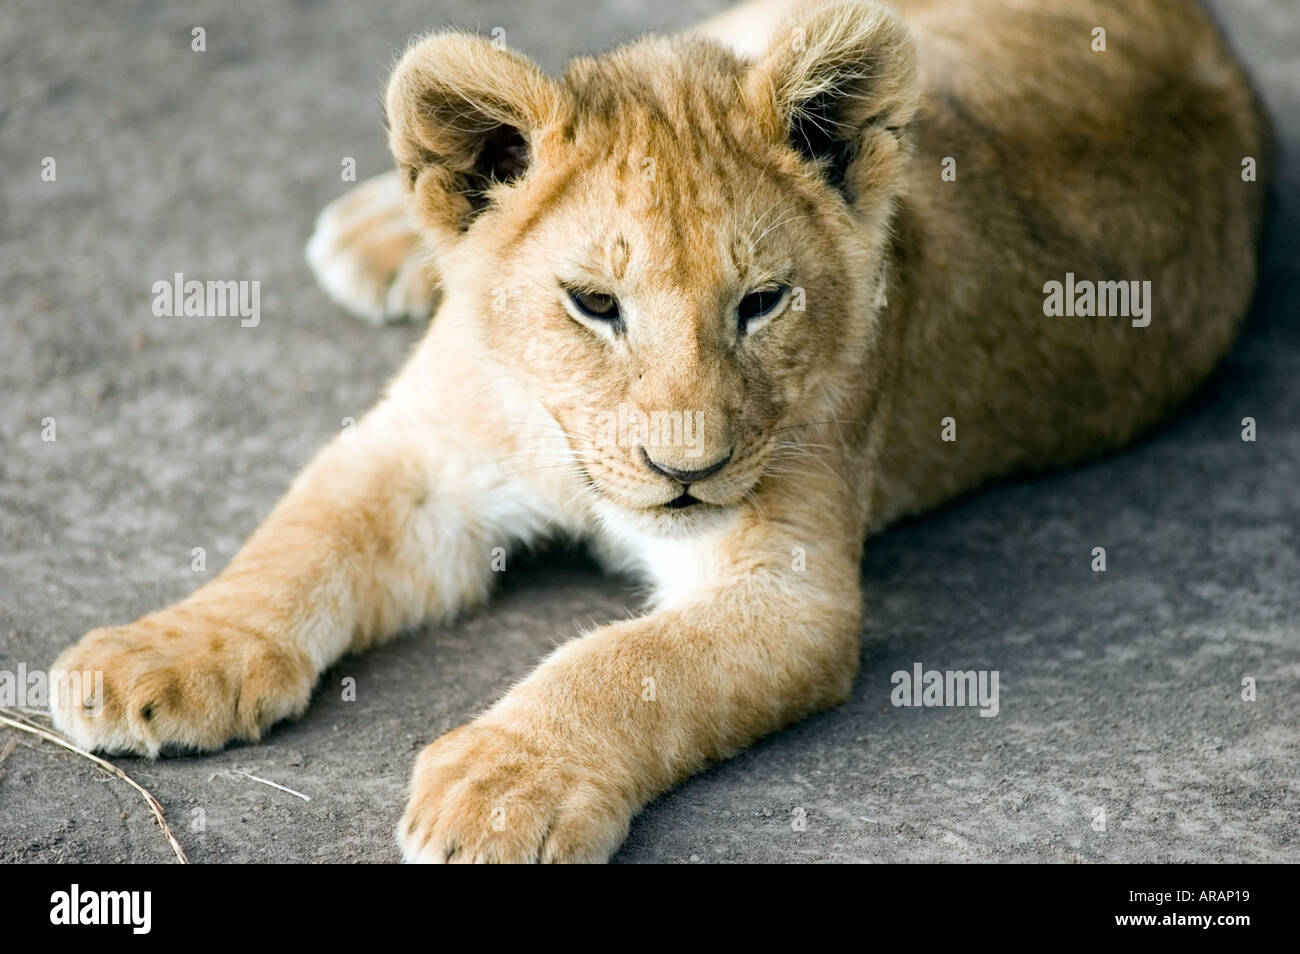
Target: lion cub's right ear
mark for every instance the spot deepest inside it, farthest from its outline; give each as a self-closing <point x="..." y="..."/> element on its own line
<point x="462" y="115"/>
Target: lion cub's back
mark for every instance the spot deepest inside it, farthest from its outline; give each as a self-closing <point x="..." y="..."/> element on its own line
<point x="1051" y="152"/>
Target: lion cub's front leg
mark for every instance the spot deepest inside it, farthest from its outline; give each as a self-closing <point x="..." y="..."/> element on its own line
<point x="367" y="255"/>
<point x="384" y="529"/>
<point x="556" y="770"/>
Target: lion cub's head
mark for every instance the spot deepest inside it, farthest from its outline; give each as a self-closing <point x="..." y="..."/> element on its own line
<point x="679" y="252"/>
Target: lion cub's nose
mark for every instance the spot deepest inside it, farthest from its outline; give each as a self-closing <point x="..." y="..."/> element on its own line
<point x="684" y="476"/>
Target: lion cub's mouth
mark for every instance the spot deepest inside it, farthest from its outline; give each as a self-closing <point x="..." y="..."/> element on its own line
<point x="682" y="501"/>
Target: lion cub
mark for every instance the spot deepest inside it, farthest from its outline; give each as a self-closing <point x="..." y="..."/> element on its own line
<point x="722" y="304"/>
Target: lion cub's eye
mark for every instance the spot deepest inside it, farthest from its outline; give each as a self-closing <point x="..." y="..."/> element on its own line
<point x="759" y="306"/>
<point x="593" y="305"/>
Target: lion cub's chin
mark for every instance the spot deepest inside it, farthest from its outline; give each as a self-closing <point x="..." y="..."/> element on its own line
<point x="665" y="522"/>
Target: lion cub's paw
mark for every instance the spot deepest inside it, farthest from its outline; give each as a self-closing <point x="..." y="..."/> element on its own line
<point x="479" y="794"/>
<point x="166" y="683"/>
<point x="366" y="254"/>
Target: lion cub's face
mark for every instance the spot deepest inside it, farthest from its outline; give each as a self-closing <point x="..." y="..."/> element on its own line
<point x="676" y="251"/>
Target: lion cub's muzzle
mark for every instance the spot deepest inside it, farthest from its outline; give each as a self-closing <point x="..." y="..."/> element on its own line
<point x="684" y="478"/>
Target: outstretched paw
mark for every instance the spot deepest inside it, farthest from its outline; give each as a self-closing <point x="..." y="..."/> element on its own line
<point x="481" y="794"/>
<point x="175" y="682"/>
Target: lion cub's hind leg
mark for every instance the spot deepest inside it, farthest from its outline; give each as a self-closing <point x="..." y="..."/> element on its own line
<point x="366" y="254"/>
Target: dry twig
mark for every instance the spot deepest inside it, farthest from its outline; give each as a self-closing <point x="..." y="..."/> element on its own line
<point x="26" y="725"/>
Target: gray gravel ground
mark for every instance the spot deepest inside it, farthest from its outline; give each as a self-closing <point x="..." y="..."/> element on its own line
<point x="1119" y="691"/>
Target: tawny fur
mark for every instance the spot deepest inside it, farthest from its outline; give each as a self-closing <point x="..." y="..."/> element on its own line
<point x="664" y="174"/>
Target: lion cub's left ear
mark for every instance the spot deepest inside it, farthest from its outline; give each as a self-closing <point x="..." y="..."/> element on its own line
<point x="462" y="117"/>
<point x="839" y="85"/>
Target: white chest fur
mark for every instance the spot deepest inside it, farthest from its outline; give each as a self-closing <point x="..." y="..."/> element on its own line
<point x="671" y="567"/>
